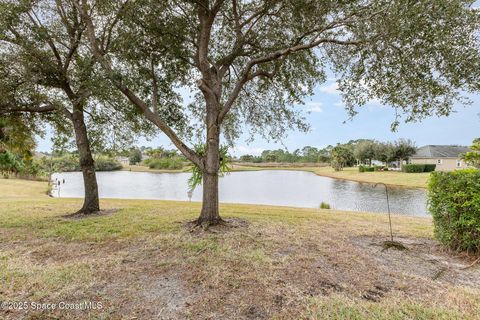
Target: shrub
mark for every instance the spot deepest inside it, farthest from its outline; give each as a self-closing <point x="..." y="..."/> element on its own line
<point x="68" y="163"/>
<point x="173" y="163"/>
<point x="430" y="167"/>
<point x="107" y="164"/>
<point x="324" y="205"/>
<point x="454" y="202"/>
<point x="362" y="168"/>
<point x="413" y="168"/>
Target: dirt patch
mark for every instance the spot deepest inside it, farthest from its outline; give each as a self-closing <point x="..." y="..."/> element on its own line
<point x="425" y="258"/>
<point x="77" y="216"/>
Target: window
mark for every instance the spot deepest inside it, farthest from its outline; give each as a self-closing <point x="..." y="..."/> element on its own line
<point x="439" y="161"/>
<point x="459" y="163"/>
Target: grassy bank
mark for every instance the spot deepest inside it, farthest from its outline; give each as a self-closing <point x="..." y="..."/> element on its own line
<point x="394" y="178"/>
<point x="140" y="261"/>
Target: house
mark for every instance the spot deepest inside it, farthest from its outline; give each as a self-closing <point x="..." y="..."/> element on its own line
<point x="447" y="158"/>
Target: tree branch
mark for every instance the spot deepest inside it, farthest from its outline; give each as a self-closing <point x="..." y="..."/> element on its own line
<point x="99" y="54"/>
<point x="276" y="55"/>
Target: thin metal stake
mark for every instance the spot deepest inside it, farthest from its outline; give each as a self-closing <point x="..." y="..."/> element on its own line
<point x="388" y="208"/>
<point x="389" y="217"/>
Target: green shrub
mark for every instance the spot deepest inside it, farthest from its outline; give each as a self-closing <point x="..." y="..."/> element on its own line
<point x="173" y="163"/>
<point x="362" y="168"/>
<point x="107" y="164"/>
<point x="430" y="167"/>
<point x="324" y="205"/>
<point x="413" y="168"/>
<point x="454" y="202"/>
<point x="68" y="163"/>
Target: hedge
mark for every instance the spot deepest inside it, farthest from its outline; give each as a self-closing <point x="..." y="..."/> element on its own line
<point x="429" y="167"/>
<point x="365" y="169"/>
<point x="454" y="202"/>
<point x="413" y="168"/>
<point x="416" y="168"/>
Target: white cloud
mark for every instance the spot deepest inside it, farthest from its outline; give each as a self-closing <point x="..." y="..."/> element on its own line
<point x="241" y="150"/>
<point x="331" y="88"/>
<point x="313" y="107"/>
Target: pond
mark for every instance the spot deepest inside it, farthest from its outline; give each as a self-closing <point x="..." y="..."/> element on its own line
<point x="274" y="187"/>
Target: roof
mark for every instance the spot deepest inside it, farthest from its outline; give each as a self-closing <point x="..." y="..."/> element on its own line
<point x="437" y="151"/>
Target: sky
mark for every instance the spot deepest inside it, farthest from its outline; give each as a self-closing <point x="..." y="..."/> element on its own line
<point x="327" y="116"/>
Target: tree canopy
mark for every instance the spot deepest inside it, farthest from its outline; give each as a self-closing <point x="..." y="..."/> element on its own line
<point x="249" y="64"/>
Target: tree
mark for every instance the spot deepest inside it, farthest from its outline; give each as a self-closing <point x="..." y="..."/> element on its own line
<point x="403" y="149"/>
<point x="246" y="158"/>
<point x="249" y="62"/>
<point x="473" y="157"/>
<point x="384" y="152"/>
<point x="341" y="156"/>
<point x="45" y="67"/>
<point x="365" y="151"/>
<point x="135" y="156"/>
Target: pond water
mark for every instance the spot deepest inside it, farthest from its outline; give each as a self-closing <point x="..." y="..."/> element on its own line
<point x="282" y="188"/>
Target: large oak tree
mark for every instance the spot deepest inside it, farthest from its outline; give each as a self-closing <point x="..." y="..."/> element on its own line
<point x="45" y="67"/>
<point x="250" y="62"/>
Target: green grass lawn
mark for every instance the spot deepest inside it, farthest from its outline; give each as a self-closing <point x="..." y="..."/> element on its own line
<point x="141" y="260"/>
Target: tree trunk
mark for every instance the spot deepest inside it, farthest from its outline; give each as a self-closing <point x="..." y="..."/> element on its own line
<point x="91" y="202"/>
<point x="210" y="212"/>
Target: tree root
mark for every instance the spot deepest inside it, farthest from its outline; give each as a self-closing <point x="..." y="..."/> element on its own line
<point x="216" y="226"/>
<point x="472" y="264"/>
<point x="80" y="214"/>
<point x="393" y="244"/>
<point x="205" y="225"/>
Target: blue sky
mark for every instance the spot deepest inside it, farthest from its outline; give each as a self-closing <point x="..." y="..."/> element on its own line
<point x="373" y="121"/>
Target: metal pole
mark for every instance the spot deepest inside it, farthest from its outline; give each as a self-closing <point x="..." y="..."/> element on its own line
<point x="389" y="217"/>
<point x="388" y="209"/>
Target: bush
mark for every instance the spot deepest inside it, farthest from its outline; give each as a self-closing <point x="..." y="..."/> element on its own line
<point x="413" y="168"/>
<point x="173" y="163"/>
<point x="430" y="167"/>
<point x="324" y="205"/>
<point x="366" y="168"/>
<point x="68" y="163"/>
<point x="107" y="164"/>
<point x="454" y="202"/>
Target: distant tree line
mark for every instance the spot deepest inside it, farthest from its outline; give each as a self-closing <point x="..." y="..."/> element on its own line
<point x="361" y="151"/>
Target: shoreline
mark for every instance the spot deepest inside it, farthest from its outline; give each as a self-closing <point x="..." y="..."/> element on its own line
<point x="348" y="174"/>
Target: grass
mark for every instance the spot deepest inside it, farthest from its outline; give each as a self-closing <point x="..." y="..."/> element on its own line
<point x="282" y="263"/>
<point x="393" y="178"/>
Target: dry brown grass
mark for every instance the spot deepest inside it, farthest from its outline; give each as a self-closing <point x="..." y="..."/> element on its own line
<point x="285" y="263"/>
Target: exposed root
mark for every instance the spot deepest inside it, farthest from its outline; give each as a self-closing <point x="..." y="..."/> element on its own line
<point x="472" y="264"/>
<point x="82" y="214"/>
<point x="393" y="244"/>
<point x="217" y="226"/>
